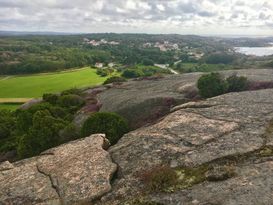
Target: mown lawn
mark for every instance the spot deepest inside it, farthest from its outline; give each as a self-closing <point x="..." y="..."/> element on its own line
<point x="36" y="85"/>
<point x="8" y="106"/>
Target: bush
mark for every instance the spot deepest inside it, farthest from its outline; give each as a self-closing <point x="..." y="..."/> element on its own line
<point x="160" y="178"/>
<point x="111" y="124"/>
<point x="71" y="100"/>
<point x="72" y="91"/>
<point x="7" y="124"/>
<point x="237" y="84"/>
<point x="114" y="79"/>
<point x="148" y="62"/>
<point x="70" y="132"/>
<point x="211" y="85"/>
<point x="130" y="73"/>
<point x="50" y="98"/>
<point x="102" y="72"/>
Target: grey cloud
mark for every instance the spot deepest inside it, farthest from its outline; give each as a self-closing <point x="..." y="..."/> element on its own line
<point x="111" y="15"/>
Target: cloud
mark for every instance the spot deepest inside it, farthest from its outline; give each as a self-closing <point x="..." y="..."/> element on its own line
<point x="150" y="16"/>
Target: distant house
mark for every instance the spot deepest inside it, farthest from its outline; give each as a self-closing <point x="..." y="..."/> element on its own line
<point x="114" y="43"/>
<point x="99" y="65"/>
<point x="94" y="43"/>
<point x="110" y="65"/>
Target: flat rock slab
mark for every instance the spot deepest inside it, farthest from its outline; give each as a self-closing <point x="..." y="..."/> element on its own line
<point x="196" y="134"/>
<point x="252" y="186"/>
<point x="145" y="101"/>
<point x="79" y="171"/>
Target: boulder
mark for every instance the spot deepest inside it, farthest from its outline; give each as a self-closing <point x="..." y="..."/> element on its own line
<point x="76" y="172"/>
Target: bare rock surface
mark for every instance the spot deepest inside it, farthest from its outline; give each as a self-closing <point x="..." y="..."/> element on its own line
<point x="79" y="171"/>
<point x="145" y="101"/>
<point x="230" y="126"/>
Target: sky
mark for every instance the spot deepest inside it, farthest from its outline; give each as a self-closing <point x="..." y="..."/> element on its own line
<point x="200" y="17"/>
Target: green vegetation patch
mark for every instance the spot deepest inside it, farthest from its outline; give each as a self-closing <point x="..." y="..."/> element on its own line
<point x="36" y="85"/>
<point x="166" y="179"/>
<point x="111" y="124"/>
<point x="9" y="106"/>
<point x="213" y="84"/>
<point x="201" y="67"/>
<point x="42" y="126"/>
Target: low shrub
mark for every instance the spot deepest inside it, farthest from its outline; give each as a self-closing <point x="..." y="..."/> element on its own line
<point x="132" y="73"/>
<point x="70" y="132"/>
<point x="114" y="79"/>
<point x="111" y="124"/>
<point x="72" y="91"/>
<point x="50" y="98"/>
<point x="159" y="178"/>
<point x="71" y="100"/>
<point x="237" y="83"/>
<point x="101" y="72"/>
<point x="211" y="85"/>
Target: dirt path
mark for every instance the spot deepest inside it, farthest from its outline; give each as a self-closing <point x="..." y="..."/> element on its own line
<point x="14" y="100"/>
<point x="5" y="78"/>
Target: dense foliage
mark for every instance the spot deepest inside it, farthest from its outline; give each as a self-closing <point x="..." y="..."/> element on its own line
<point x="35" y="54"/>
<point x="211" y="85"/>
<point x="214" y="84"/>
<point x="41" y="126"/>
<point x="143" y="71"/>
<point x="114" y="79"/>
<point x="237" y="83"/>
<point x="111" y="124"/>
<point x="220" y="58"/>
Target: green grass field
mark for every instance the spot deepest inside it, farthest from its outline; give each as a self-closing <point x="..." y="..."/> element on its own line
<point x="9" y="106"/>
<point x="36" y="85"/>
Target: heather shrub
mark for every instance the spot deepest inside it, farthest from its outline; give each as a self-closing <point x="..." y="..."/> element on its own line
<point x="254" y="85"/>
<point x="159" y="178"/>
<point x="111" y="124"/>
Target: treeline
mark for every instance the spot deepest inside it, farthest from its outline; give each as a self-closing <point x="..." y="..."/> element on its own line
<point x="59" y="59"/>
<point x="36" y="54"/>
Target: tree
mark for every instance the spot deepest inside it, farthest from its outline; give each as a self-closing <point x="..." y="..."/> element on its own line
<point x="147" y="62"/>
<point x="42" y="135"/>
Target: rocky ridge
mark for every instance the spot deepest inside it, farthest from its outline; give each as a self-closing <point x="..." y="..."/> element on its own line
<point x="227" y="140"/>
<point x="230" y="129"/>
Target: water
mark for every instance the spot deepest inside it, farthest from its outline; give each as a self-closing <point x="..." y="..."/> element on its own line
<point x="256" y="51"/>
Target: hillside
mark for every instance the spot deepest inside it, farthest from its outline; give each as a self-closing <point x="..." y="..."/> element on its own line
<point x="214" y="151"/>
